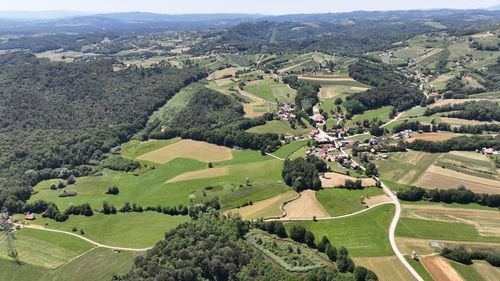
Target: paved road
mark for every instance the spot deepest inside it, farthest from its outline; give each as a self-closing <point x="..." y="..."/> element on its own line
<point x="86" y="239"/>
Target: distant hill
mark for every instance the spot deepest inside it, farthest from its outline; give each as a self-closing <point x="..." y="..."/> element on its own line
<point x="495" y="8"/>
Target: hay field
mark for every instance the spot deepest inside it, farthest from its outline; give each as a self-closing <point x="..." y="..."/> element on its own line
<point x="487" y="271"/>
<point x="437" y="177"/>
<point x="266" y="208"/>
<point x="451" y="102"/>
<point x="334" y="91"/>
<point x="221" y="73"/>
<point x="386" y="268"/>
<point x="440" y="136"/>
<point x="440" y="269"/>
<point x="305" y="207"/>
<point x="192" y="149"/>
<point x="335" y="180"/>
<point x="340" y="201"/>
<point x="405" y="167"/>
<point x="200" y="174"/>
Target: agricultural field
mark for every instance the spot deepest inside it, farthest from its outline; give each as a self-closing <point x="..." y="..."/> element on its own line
<point x="270" y="90"/>
<point x="386" y="268"/>
<point x="306" y="206"/>
<point x="267" y="208"/>
<point x="365" y="235"/>
<point x="280" y="127"/>
<point x="340" y="201"/>
<point x="405" y="167"/>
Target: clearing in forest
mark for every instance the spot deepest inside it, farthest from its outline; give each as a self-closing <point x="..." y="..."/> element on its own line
<point x="440" y="269"/>
<point x="200" y="174"/>
<point x="192" y="149"/>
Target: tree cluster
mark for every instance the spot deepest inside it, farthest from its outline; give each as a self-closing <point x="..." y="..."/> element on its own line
<point x="462" y="143"/>
<point x="303" y="173"/>
<point x="480" y="110"/>
<point x="459" y="195"/>
<point x="461" y="255"/>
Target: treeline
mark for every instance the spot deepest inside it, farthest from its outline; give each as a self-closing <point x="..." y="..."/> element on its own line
<point x="307" y="92"/>
<point x="303" y="173"/>
<point x="68" y="115"/>
<point x="388" y="88"/>
<point x="216" y="118"/>
<point x="469" y="129"/>
<point x="462" y="143"/>
<point x="50" y="210"/>
<point x="414" y="126"/>
<point x="456" y="89"/>
<point x="461" y="255"/>
<point x="459" y="195"/>
<point x="481" y="110"/>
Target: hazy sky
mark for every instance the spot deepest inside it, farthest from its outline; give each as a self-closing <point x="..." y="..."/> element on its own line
<point x="237" y="6"/>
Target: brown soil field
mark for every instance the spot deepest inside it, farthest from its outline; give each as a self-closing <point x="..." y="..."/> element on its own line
<point x="270" y="207"/>
<point x="221" y="73"/>
<point x="198" y="150"/>
<point x="437" y="177"/>
<point x="440" y="269"/>
<point x="335" y="180"/>
<point x="328" y="92"/>
<point x="305" y="207"/>
<point x="374" y="200"/>
<point x="487" y="271"/>
<point x="470" y="154"/>
<point x="386" y="268"/>
<point x="423" y="246"/>
<point x="361" y="89"/>
<point x="201" y="174"/>
<point x="441" y="136"/>
<point x="451" y="101"/>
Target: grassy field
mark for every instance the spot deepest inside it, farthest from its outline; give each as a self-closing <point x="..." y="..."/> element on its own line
<point x="386" y="268"/>
<point x="289" y="149"/>
<point x="468" y="272"/>
<point x="427" y="229"/>
<point x="380" y="113"/>
<point x="96" y="264"/>
<point x="338" y="201"/>
<point x="270" y="90"/>
<point x="135" y="230"/>
<point x="135" y="148"/>
<point x="45" y="249"/>
<point x="364" y="235"/>
<point x="405" y="167"/>
<point x="280" y="127"/>
<point x="419" y="268"/>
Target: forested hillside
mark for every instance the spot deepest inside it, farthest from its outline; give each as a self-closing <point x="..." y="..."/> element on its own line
<point x="56" y="115"/>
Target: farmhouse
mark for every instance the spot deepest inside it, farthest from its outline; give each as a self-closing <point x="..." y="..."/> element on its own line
<point x="318" y="118"/>
<point x="30" y="217"/>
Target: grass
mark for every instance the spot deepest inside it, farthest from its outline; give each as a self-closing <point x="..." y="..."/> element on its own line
<point x="271" y="91"/>
<point x="426" y="229"/>
<point x="45" y="249"/>
<point x="468" y="272"/>
<point x="419" y="268"/>
<point x="339" y="201"/>
<point x="134" y="230"/>
<point x="136" y="148"/>
<point x="97" y="264"/>
<point x="279" y="127"/>
<point x="364" y="235"/>
<point x="472" y="206"/>
<point x="380" y="113"/>
<point x="288" y="149"/>
<point x="405" y="167"/>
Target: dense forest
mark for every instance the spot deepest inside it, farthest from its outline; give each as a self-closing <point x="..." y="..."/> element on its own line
<point x="389" y="88"/>
<point x="216" y="118"/>
<point x="57" y="118"/>
<point x="462" y="143"/>
<point x="303" y="173"/>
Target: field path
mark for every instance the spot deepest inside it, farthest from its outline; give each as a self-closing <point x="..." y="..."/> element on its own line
<point x="40" y="227"/>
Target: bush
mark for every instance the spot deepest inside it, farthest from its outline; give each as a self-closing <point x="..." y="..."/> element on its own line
<point x="322" y="244"/>
<point x="119" y="163"/>
<point x="71" y="180"/>
<point x="360" y="273"/>
<point x="331" y="252"/>
<point x="68" y="193"/>
<point x="297" y="233"/>
<point x="493" y="259"/>
<point x="113" y="190"/>
<point x="345" y="264"/>
<point x="309" y="238"/>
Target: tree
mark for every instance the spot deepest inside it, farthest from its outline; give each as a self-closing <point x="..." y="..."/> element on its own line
<point x="210" y="165"/>
<point x="360" y="273"/>
<point x="331" y="252"/>
<point x="71" y="180"/>
<point x="338" y="101"/>
<point x="297" y="233"/>
<point x="113" y="190"/>
<point x="322" y="244"/>
<point x="309" y="238"/>
<point x="343" y="251"/>
<point x="345" y="264"/>
<point x="371" y="170"/>
<point x="280" y="230"/>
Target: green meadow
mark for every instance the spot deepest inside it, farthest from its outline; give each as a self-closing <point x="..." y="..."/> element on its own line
<point x="339" y="201"/>
<point x="364" y="235"/>
<point x="270" y="90"/>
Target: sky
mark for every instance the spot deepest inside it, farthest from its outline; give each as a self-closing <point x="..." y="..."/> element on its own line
<point x="271" y="7"/>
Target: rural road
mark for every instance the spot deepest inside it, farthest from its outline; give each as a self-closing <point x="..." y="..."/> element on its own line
<point x="38" y="227"/>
